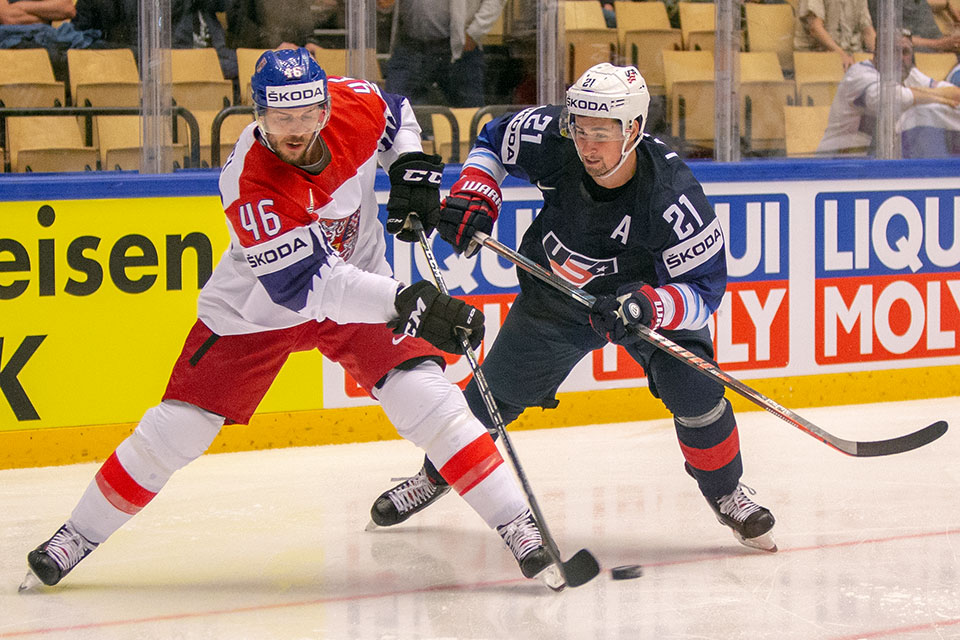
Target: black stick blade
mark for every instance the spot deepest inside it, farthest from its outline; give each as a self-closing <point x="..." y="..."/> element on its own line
<point x="908" y="442"/>
<point x="581" y="568"/>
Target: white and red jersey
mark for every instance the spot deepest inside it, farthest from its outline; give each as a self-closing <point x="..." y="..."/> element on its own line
<point x="303" y="246"/>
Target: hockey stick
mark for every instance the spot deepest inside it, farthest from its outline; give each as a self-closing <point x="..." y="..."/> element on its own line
<point x="583" y="566"/>
<point x="856" y="448"/>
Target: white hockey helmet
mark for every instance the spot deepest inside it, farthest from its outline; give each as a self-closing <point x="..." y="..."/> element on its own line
<point x="608" y="91"/>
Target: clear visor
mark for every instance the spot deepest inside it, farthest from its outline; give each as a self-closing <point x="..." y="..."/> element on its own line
<point x="592" y="129"/>
<point x="293" y="121"/>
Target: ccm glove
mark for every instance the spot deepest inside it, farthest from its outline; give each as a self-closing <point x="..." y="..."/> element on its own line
<point x="414" y="188"/>
<point x="634" y="304"/>
<point x="473" y="205"/>
<point x="436" y="317"/>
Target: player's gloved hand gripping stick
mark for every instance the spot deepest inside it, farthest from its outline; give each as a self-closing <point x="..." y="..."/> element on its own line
<point x="583" y="566"/>
<point x="856" y="448"/>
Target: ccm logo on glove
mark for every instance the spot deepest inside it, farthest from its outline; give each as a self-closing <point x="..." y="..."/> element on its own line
<point x="439" y="319"/>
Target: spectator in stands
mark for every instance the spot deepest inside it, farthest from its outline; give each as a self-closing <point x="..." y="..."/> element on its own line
<point x="194" y="25"/>
<point x="918" y="19"/>
<point x="843" y="26"/>
<point x="929" y="123"/>
<point x="35" y="11"/>
<point x="439" y="42"/>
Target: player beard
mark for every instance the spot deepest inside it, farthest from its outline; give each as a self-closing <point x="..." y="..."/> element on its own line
<point x="294" y="149"/>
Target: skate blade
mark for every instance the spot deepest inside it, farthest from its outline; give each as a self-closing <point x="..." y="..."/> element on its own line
<point x="552" y="578"/>
<point x="30" y="581"/>
<point x="762" y="542"/>
<point x="371" y="526"/>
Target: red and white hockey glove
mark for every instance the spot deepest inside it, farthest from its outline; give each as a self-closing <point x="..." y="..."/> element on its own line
<point x="473" y="205"/>
<point x="634" y="304"/>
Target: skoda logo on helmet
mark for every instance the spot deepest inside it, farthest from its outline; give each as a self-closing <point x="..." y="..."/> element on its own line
<point x="296" y="95"/>
<point x="595" y="106"/>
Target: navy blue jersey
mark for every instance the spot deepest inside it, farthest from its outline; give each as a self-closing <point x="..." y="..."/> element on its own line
<point x="659" y="228"/>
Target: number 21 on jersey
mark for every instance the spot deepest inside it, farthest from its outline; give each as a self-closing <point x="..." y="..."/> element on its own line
<point x="676" y="216"/>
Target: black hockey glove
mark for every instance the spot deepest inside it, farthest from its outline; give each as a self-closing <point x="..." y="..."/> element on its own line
<point x="414" y="188"/>
<point x="633" y="304"/>
<point x="473" y="205"/>
<point x="426" y="313"/>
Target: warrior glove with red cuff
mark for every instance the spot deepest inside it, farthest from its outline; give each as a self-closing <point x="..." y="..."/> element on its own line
<point x="436" y="317"/>
<point x="414" y="189"/>
<point x="473" y="205"/>
<point x="634" y="304"/>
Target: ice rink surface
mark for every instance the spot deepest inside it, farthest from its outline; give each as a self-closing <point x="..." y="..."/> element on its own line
<point x="272" y="544"/>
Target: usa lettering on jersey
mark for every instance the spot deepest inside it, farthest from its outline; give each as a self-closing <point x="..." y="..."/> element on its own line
<point x="574" y="267"/>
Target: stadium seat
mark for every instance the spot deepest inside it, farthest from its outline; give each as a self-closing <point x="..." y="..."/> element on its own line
<point x="230" y="130"/>
<point x="936" y="65"/>
<point x="644" y="32"/>
<point x="817" y="74"/>
<point x="589" y="41"/>
<point x="246" y="61"/>
<point x="769" y="27"/>
<point x="103" y="77"/>
<point x="804" y="127"/>
<point x="691" y="98"/>
<point x="50" y="143"/>
<point x="698" y="25"/>
<point x="26" y="79"/>
<point x="119" y="144"/>
<point x="197" y="82"/>
<point x="763" y="93"/>
<point x="443" y="133"/>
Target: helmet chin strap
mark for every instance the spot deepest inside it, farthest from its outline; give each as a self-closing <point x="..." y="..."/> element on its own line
<point x="266" y="140"/>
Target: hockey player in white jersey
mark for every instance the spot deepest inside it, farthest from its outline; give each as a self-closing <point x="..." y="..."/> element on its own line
<point x="624" y="219"/>
<point x="305" y="270"/>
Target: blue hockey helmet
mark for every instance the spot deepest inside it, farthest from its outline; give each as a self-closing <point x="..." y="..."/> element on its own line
<point x="289" y="78"/>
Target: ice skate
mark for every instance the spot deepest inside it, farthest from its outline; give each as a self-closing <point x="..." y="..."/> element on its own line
<point x="56" y="557"/>
<point x="751" y="524"/>
<point x="407" y="498"/>
<point x="522" y="536"/>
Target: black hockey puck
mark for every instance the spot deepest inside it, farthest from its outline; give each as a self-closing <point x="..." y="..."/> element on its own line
<point x="626" y="572"/>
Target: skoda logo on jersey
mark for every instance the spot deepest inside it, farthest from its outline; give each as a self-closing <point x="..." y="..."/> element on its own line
<point x="575" y="267"/>
<point x="298" y="95"/>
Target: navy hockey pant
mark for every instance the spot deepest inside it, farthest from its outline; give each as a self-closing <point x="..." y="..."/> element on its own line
<point x="533" y="355"/>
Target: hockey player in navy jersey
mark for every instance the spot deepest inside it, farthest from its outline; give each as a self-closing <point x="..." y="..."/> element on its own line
<point x="306" y="269"/>
<point x="621" y="215"/>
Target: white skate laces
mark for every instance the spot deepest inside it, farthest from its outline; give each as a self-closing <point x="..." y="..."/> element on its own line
<point x="412" y="493"/>
<point x="521" y="535"/>
<point x="737" y="505"/>
<point x="751" y="523"/>
<point x="67" y="547"/>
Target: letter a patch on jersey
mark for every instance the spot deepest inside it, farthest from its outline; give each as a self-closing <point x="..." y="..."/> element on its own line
<point x="574" y="267"/>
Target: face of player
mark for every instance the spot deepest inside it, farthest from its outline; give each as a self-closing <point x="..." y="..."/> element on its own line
<point x="600" y="142"/>
<point x="292" y="132"/>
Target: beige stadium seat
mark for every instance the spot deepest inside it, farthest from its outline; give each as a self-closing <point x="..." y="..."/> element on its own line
<point x="443" y="133"/>
<point x="589" y="40"/>
<point x="936" y="65"/>
<point x="246" y="63"/>
<point x="817" y="75"/>
<point x="230" y="130"/>
<point x="120" y="147"/>
<point x="691" y="97"/>
<point x="103" y="77"/>
<point x="769" y="27"/>
<point x="804" y="127"/>
<point x="644" y="32"/>
<point x="26" y="79"/>
<point x="51" y="143"/>
<point x="698" y="25"/>
<point x="763" y="94"/>
<point x="197" y="82"/>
